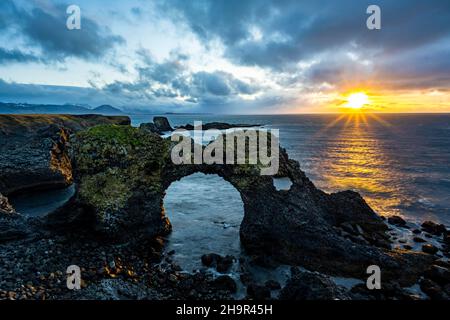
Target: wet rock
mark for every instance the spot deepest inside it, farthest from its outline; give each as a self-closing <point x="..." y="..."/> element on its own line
<point x="225" y="283"/>
<point x="419" y="240"/>
<point x="272" y="285"/>
<point x="5" y="207"/>
<point x="416" y="231"/>
<point x="210" y="259"/>
<point x="218" y="126"/>
<point x="429" y="248"/>
<point x="434" y="228"/>
<point x="162" y="124"/>
<point x="149" y="127"/>
<point x="438" y="274"/>
<point x="222" y="264"/>
<point x="446" y="239"/>
<point x="397" y="220"/>
<point x="306" y="285"/>
<point x="433" y="290"/>
<point x="258" y="292"/>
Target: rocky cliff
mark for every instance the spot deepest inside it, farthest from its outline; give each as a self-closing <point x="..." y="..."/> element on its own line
<point x="32" y="148"/>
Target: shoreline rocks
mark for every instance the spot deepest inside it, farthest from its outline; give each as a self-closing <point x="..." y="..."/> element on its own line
<point x="162" y="124"/>
<point x="5" y="207"/>
<point x="218" y="126"/>
<point x="33" y="149"/>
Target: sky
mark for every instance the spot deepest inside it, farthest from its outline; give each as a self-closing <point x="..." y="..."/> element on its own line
<point x="227" y="56"/>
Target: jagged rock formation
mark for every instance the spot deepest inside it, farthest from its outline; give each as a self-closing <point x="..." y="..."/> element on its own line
<point x="32" y="149"/>
<point x="162" y="124"/>
<point x="12" y="225"/>
<point x="5" y="206"/>
<point x="218" y="126"/>
<point x="122" y="173"/>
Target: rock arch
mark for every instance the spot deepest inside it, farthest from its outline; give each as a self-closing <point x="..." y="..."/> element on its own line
<point x="122" y="173"/>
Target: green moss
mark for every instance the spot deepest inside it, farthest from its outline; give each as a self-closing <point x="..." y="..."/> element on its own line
<point x="107" y="191"/>
<point x="125" y="135"/>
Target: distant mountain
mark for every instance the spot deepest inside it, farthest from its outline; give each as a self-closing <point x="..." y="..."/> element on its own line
<point x="19" y="108"/>
<point x="106" y="109"/>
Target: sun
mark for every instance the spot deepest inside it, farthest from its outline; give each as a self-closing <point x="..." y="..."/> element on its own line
<point x="357" y="100"/>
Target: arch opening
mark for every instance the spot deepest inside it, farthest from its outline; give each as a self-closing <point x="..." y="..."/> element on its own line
<point x="206" y="213"/>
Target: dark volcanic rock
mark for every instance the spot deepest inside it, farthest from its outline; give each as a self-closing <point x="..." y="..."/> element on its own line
<point x="306" y="285"/>
<point x="396" y="220"/>
<point x="433" y="228"/>
<point x="32" y="149"/>
<point x="439" y="275"/>
<point x="162" y="124"/>
<point x="429" y="248"/>
<point x="12" y="225"/>
<point x="257" y="292"/>
<point x="225" y="283"/>
<point x="122" y="174"/>
<point x="150" y="127"/>
<point x="5" y="206"/>
<point x="222" y="264"/>
<point x="272" y="285"/>
<point x="433" y="290"/>
<point x="218" y="126"/>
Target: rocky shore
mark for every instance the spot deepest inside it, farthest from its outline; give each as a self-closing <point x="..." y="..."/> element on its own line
<point x="114" y="226"/>
<point x="32" y="154"/>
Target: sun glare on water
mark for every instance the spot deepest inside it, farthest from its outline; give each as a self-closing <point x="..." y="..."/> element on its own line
<point x="357" y="100"/>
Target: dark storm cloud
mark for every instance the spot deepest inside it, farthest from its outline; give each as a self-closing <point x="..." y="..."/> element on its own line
<point x="8" y="56"/>
<point x="292" y="31"/>
<point x="172" y="78"/>
<point x="47" y="30"/>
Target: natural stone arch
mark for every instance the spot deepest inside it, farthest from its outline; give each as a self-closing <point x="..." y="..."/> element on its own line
<point x="122" y="173"/>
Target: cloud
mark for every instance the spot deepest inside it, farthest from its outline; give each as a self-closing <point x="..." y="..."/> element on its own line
<point x="172" y="78"/>
<point x="46" y="29"/>
<point x="278" y="35"/>
<point x="15" y="55"/>
<point x="292" y="31"/>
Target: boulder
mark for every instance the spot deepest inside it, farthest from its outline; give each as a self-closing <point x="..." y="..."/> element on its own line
<point x="433" y="228"/>
<point x="222" y="264"/>
<point x="438" y="274"/>
<point x="162" y="124"/>
<point x="5" y="207"/>
<point x="218" y="126"/>
<point x="397" y="221"/>
<point x="225" y="283"/>
<point x="305" y="285"/>
<point x="13" y="226"/>
<point x="258" y="292"/>
<point x="429" y="248"/>
<point x="150" y="127"/>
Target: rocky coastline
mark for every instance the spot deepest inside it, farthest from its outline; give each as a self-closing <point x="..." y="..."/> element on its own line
<point x="114" y="225"/>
